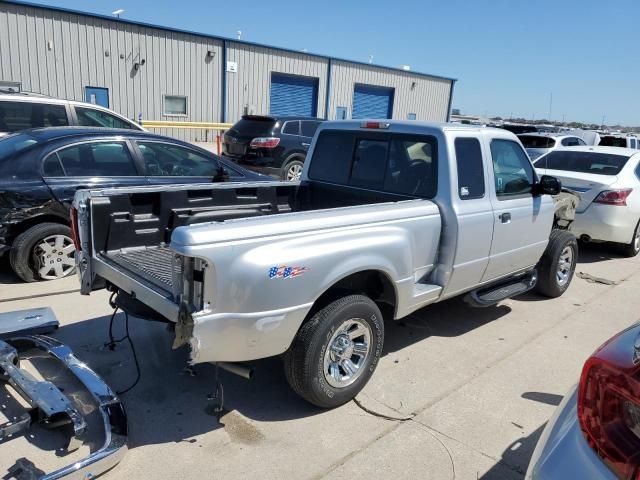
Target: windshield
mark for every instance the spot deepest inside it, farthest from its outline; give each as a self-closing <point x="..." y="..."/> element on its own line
<point x="535" y="141"/>
<point x="584" y="162"/>
<point x="12" y="144"/>
<point x="610" y="141"/>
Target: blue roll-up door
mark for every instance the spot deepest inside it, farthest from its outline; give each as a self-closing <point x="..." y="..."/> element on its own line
<point x="370" y="101"/>
<point x="293" y="95"/>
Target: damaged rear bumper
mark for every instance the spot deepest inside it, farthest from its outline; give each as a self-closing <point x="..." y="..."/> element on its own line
<point x="43" y="396"/>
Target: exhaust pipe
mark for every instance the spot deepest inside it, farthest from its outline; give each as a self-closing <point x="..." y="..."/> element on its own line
<point x="237" y="369"/>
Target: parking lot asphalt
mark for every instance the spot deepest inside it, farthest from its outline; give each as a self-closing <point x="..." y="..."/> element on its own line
<point x="459" y="393"/>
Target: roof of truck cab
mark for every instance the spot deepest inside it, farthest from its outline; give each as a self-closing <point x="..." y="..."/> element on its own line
<point x="412" y="124"/>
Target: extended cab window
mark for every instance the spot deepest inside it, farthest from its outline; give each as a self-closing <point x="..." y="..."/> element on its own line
<point x="512" y="170"/>
<point x="470" y="169"/>
<point x="395" y="163"/>
<point x="97" y="159"/>
<point x="165" y="159"/>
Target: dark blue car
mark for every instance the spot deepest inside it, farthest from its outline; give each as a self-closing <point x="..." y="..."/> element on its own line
<point x="41" y="169"/>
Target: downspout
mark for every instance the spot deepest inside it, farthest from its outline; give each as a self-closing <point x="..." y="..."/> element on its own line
<point x="327" y="93"/>
<point x="223" y="116"/>
<point x="453" y="84"/>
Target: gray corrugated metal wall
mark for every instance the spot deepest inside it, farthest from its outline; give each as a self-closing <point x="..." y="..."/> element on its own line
<point x="86" y="51"/>
<point x="252" y="83"/>
<point x="428" y="98"/>
<point x="175" y="63"/>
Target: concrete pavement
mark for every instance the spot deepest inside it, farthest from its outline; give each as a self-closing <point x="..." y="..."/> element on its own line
<point x="471" y="389"/>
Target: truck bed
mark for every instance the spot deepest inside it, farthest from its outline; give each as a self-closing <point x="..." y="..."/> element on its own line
<point x="132" y="228"/>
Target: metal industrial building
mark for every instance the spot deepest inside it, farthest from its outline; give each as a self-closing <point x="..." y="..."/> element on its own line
<point x="156" y="73"/>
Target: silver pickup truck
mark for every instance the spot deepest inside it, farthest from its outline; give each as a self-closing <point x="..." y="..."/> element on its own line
<point x="388" y="217"/>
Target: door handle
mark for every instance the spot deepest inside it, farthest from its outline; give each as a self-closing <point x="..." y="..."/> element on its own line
<point x="306" y="144"/>
<point x="505" y="217"/>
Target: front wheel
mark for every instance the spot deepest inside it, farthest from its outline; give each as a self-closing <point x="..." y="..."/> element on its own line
<point x="336" y="351"/>
<point x="558" y="264"/>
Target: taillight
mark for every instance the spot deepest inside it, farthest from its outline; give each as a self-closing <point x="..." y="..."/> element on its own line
<point x="609" y="403"/>
<point x="265" y="142"/>
<point x="74" y="229"/>
<point x="375" y="125"/>
<point x="613" y="197"/>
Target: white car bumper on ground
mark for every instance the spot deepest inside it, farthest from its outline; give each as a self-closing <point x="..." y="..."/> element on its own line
<point x="605" y="223"/>
<point x="562" y="451"/>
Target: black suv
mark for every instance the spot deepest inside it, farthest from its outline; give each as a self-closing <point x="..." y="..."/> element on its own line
<point x="272" y="145"/>
<point x="41" y="169"/>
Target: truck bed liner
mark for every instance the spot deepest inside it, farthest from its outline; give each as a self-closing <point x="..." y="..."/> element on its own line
<point x="154" y="264"/>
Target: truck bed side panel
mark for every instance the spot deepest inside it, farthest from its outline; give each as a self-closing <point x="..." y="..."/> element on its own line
<point x="265" y="286"/>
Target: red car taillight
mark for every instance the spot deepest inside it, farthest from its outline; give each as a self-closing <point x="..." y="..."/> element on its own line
<point x="609" y="403"/>
<point x="613" y="197"/>
<point x="265" y="142"/>
<point x="74" y="229"/>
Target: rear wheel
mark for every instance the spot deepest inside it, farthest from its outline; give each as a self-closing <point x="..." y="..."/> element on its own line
<point x="558" y="264"/>
<point x="43" y="252"/>
<point x="293" y="170"/>
<point x="632" y="249"/>
<point x="336" y="351"/>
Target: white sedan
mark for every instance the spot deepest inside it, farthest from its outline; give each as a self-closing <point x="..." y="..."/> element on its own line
<point x="608" y="181"/>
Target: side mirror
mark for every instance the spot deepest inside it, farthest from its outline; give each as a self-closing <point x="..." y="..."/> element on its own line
<point x="548" y="185"/>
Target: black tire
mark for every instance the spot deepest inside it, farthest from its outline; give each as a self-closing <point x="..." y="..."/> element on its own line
<point x="549" y="284"/>
<point x="304" y="361"/>
<point x="295" y="162"/>
<point x="22" y="257"/>
<point x="632" y="249"/>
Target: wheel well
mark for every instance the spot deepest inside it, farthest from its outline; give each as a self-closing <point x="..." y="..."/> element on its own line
<point x="294" y="156"/>
<point x="27" y="223"/>
<point x="373" y="283"/>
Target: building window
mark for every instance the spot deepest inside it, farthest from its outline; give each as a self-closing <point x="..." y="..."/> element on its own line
<point x="341" y="113"/>
<point x="411" y="116"/>
<point x="175" y="105"/>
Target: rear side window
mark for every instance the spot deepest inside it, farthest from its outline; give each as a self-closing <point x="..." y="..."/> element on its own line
<point x="572" y="142"/>
<point x="15" y="116"/>
<point x="470" y="168"/>
<point x="584" y="162"/>
<point x="89" y="117"/>
<point x="291" y="128"/>
<point x="98" y="159"/>
<point x="402" y="164"/>
<point x="537" y="141"/>
<point x="309" y="128"/>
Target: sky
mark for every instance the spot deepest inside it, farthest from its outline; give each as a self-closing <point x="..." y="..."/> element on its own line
<point x="509" y="56"/>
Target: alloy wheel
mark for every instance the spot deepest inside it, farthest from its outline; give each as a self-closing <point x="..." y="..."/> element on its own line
<point x="565" y="264"/>
<point x="347" y="352"/>
<point x="294" y="172"/>
<point x="55" y="257"/>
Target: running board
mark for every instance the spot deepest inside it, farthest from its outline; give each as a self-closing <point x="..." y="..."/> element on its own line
<point x="490" y="295"/>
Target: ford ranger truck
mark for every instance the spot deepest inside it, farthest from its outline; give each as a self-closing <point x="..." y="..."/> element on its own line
<point x="389" y="216"/>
